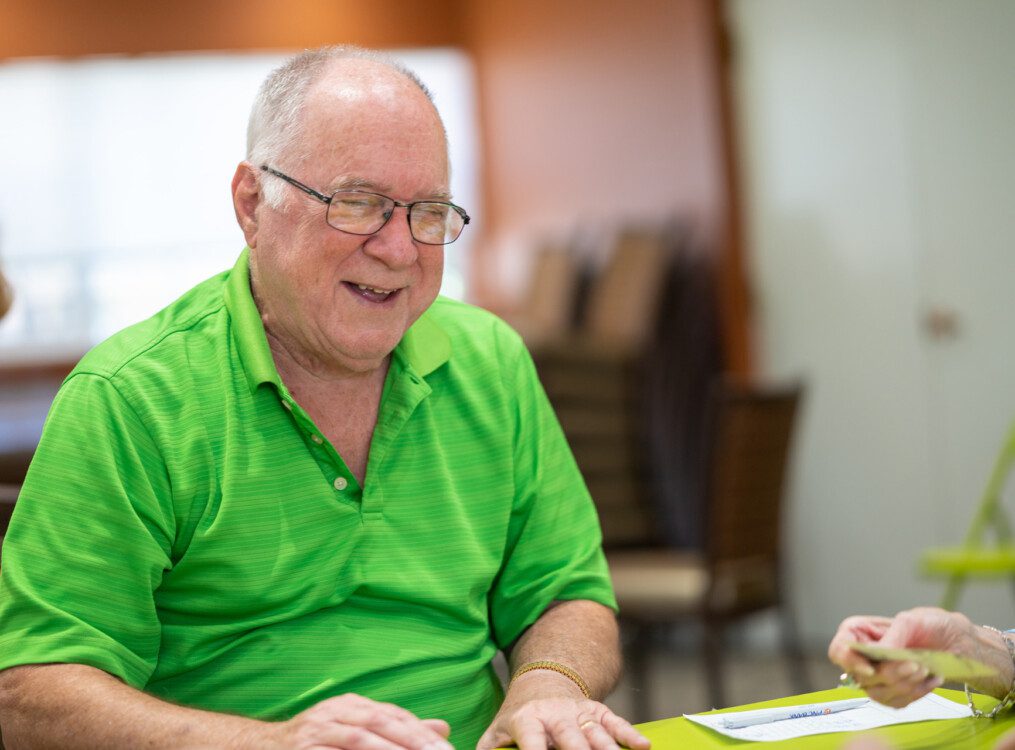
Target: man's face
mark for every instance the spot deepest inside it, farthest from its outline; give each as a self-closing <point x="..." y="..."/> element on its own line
<point x="375" y="132"/>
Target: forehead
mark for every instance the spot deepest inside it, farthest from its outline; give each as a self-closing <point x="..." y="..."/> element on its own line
<point x="364" y="121"/>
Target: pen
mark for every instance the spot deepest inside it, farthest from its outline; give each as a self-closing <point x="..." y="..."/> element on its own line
<point x="792" y="712"/>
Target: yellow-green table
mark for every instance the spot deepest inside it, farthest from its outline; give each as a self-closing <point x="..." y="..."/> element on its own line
<point x="681" y="734"/>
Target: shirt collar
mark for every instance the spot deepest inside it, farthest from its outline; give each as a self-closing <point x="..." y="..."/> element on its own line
<point x="423" y="348"/>
<point x="248" y="330"/>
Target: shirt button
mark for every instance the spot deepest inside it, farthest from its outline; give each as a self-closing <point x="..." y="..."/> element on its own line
<point x="317" y="439"/>
<point x="341" y="483"/>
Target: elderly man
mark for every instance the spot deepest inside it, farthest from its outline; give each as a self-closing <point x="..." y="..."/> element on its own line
<point x="306" y="504"/>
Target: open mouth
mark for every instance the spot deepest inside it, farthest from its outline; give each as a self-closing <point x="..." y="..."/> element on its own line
<point x="371" y="293"/>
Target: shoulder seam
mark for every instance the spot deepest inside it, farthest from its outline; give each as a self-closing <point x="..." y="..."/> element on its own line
<point x="151" y="344"/>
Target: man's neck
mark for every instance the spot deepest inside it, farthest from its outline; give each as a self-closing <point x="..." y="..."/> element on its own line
<point x="303" y="372"/>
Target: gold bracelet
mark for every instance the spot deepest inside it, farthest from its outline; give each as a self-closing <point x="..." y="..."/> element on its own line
<point x="555" y="667"/>
<point x="1008" y="699"/>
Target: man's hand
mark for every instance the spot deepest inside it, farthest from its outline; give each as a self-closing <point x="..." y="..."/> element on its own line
<point x="353" y="722"/>
<point x="544" y="709"/>
<point x="896" y="683"/>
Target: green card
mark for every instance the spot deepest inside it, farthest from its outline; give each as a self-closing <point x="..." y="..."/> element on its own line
<point x="941" y="663"/>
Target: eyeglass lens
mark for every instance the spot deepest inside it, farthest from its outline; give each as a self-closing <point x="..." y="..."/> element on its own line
<point x="430" y="222"/>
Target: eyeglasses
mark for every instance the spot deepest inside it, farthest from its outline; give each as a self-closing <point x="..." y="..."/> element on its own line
<point x="361" y="212"/>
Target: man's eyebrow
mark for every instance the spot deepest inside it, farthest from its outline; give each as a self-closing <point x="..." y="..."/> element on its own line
<point x="360" y="183"/>
<point x="348" y="182"/>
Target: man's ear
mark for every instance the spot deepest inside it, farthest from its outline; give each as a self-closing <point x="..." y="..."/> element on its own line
<point x="246" y="199"/>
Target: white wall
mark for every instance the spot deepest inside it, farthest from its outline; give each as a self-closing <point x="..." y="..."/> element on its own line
<point x="850" y="189"/>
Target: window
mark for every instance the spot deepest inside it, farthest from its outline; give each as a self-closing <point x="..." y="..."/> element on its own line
<point x="93" y="151"/>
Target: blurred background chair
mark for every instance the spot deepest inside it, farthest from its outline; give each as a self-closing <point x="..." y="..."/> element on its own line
<point x="739" y="570"/>
<point x="989" y="550"/>
<point x="686" y="468"/>
<point x="594" y="373"/>
<point x="547" y="311"/>
<point x="8" y="496"/>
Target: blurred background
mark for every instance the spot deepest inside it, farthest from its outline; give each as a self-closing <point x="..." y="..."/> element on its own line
<point x="667" y="195"/>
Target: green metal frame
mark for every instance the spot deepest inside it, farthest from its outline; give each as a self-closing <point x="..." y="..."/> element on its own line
<point x="976" y="557"/>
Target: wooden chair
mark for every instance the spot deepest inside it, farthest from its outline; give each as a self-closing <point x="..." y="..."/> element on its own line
<point x="547" y="310"/>
<point x="8" y="496"/>
<point x="594" y="378"/>
<point x="980" y="556"/>
<point x="739" y="571"/>
<point x="621" y="309"/>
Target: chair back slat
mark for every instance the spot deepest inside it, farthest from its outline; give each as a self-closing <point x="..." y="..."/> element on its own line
<point x="752" y="430"/>
<point x="624" y="298"/>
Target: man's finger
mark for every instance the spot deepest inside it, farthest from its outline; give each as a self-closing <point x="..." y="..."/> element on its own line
<point x="623" y="732"/>
<point x="409" y="732"/>
<point x="438" y="725"/>
<point x="392" y="723"/>
<point x="599" y="738"/>
<point x="353" y="737"/>
<point x="493" y="738"/>
<point x="567" y="735"/>
<point x="529" y="734"/>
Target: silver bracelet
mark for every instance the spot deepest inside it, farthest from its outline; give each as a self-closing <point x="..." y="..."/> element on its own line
<point x="1008" y="699"/>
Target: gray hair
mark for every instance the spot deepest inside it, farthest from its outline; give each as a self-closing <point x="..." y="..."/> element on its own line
<point x="274" y="127"/>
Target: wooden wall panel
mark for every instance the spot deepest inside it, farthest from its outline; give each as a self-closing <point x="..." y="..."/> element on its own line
<point x="31" y="28"/>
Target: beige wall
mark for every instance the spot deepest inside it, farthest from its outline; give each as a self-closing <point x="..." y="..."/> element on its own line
<point x="595" y="110"/>
<point x="603" y="112"/>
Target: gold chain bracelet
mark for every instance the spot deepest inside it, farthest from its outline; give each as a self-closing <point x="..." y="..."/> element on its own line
<point x="555" y="667"/>
<point x="1009" y="699"/>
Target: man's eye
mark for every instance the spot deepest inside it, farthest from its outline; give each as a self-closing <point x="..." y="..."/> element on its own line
<point x="432" y="212"/>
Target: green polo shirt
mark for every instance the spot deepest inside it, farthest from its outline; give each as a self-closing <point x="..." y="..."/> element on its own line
<point x="186" y="527"/>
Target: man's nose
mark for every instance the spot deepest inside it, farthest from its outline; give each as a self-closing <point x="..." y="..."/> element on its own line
<point x="392" y="244"/>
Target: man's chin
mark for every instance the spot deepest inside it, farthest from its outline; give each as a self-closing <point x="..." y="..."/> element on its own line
<point x="365" y="357"/>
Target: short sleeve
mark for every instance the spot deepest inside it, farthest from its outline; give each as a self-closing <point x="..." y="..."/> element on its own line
<point x="554" y="549"/>
<point x="89" y="540"/>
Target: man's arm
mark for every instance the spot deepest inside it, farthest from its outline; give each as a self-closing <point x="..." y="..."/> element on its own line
<point x="544" y="707"/>
<point x="75" y="706"/>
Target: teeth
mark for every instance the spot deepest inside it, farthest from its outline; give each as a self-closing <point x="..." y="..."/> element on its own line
<point x="373" y="289"/>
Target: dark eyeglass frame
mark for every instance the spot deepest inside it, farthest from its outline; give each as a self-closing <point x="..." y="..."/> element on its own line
<point x="327" y="199"/>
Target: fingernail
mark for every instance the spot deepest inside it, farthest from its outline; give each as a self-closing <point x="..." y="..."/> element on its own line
<point x="865" y="670"/>
<point x="911" y="669"/>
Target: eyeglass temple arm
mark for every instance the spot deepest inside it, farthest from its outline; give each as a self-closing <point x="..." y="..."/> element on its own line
<point x="327" y="198"/>
<point x="297" y="184"/>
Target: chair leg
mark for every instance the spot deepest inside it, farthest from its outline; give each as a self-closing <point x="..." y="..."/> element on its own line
<point x="712" y="653"/>
<point x="636" y="665"/>
<point x="951" y="596"/>
<point x="793" y="654"/>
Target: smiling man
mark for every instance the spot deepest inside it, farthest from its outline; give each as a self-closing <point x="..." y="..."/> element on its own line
<point x="307" y="503"/>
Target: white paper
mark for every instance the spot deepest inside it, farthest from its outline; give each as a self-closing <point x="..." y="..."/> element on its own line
<point x="871" y="716"/>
